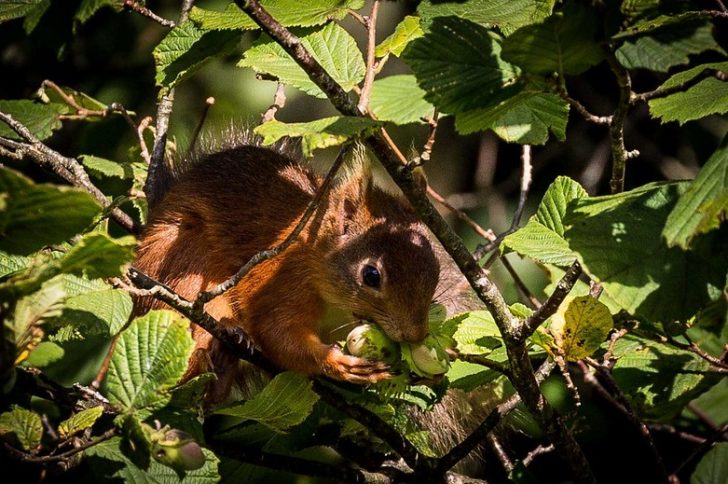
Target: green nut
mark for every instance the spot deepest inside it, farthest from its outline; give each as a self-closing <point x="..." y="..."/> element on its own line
<point x="428" y="358"/>
<point x="370" y="342"/>
<point x="177" y="449"/>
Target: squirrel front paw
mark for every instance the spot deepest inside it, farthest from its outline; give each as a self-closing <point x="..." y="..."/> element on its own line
<point x="353" y="369"/>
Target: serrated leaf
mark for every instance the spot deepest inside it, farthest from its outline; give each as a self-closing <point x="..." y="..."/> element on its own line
<point x="24" y="424"/>
<point x="659" y="379"/>
<point x="149" y="359"/>
<point x="458" y="64"/>
<point x="290" y="13"/>
<point x="659" y="22"/>
<point x="581" y="288"/>
<point x="713" y="467"/>
<point x="698" y="209"/>
<point x="34" y="216"/>
<point x="667" y="48"/>
<point x="398" y="99"/>
<point x="314" y="135"/>
<point x="525" y="118"/>
<point x="332" y="47"/>
<point x="40" y="119"/>
<point x="405" y="32"/>
<point x="581" y="325"/>
<point x="286" y="401"/>
<point x="190" y="393"/>
<point x="712" y="402"/>
<point x="89" y="7"/>
<point x="98" y="255"/>
<point x="80" y="421"/>
<point x="97" y="312"/>
<point x="476" y="333"/>
<point x="10" y="264"/>
<point x="102" y="166"/>
<point x="508" y="15"/>
<point x="564" y="43"/>
<point x="709" y="96"/>
<point x="33" y="17"/>
<point x="10" y="9"/>
<point x="186" y="48"/>
<point x="542" y="237"/>
<point x="156" y="473"/>
<point x="618" y="239"/>
<point x="44" y="354"/>
<point x="33" y="310"/>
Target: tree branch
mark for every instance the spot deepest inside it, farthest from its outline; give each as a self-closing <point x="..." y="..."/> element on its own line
<point x="67" y="168"/>
<point x="563" y="288"/>
<point x="366" y="89"/>
<point x="660" y="93"/>
<point x="620" y="155"/>
<point x="144" y="11"/>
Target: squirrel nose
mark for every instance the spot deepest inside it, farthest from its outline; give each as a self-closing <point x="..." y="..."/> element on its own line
<point x="416" y="334"/>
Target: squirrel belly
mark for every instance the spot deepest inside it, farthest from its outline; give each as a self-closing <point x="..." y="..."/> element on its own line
<point x="363" y="254"/>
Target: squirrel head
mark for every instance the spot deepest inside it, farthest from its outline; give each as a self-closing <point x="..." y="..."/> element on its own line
<point x="380" y="265"/>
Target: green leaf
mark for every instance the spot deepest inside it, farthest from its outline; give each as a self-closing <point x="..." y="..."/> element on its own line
<point x="286" y="401"/>
<point x="709" y="96"/>
<point x="33" y="310"/>
<point x="290" y="13"/>
<point x="149" y="359"/>
<point x="40" y="119"/>
<point x="33" y="17"/>
<point x="44" y="354"/>
<point x="667" y="48"/>
<point x="581" y="325"/>
<point x="713" y="467"/>
<point x="34" y="216"/>
<point x="10" y="9"/>
<point x="186" y="48"/>
<point x="506" y="14"/>
<point x="80" y="421"/>
<point x="156" y="473"/>
<point x="525" y="118"/>
<point x="699" y="209"/>
<point x="314" y="135"/>
<point x="405" y="32"/>
<point x="24" y="424"/>
<point x="659" y="379"/>
<point x="618" y="239"/>
<point x="89" y="7"/>
<point x="643" y="27"/>
<point x="564" y="43"/>
<point x="476" y="333"/>
<point x="542" y="237"/>
<point x="97" y="312"/>
<point x="191" y="392"/>
<point x="10" y="264"/>
<point x="458" y="64"/>
<point x="101" y="166"/>
<point x="712" y="402"/>
<point x="332" y="47"/>
<point x="400" y="100"/>
<point x="581" y="288"/>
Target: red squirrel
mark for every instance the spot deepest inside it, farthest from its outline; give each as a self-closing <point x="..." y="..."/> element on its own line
<point x="362" y="255"/>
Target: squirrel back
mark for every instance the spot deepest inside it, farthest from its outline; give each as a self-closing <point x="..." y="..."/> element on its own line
<point x="363" y="254"/>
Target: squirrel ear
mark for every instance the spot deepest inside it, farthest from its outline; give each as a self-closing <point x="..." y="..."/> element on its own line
<point x="352" y="192"/>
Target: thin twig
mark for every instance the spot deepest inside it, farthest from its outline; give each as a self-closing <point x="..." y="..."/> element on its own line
<point x="520" y="285"/>
<point x="500" y="453"/>
<point x="562" y="289"/>
<point x="580" y="108"/>
<point x="703" y="448"/>
<point x="138" y="130"/>
<point x="459" y="451"/>
<point x="279" y="101"/>
<point x="104" y="368"/>
<point x="264" y="255"/>
<point x="694" y="348"/>
<point x="485" y="233"/>
<point x="481" y="360"/>
<point x="203" y="117"/>
<point x="371" y="60"/>
<point x="540" y="450"/>
<point x="702" y="416"/>
<point x="46" y="459"/>
<point x="570" y="386"/>
<point x="615" y="396"/>
<point x="67" y="168"/>
<point x="616" y="336"/>
<point x="620" y="155"/>
<point x="142" y="10"/>
<point x="81" y="112"/>
<point x="660" y="93"/>
<point x="669" y="429"/>
<point x="526" y="177"/>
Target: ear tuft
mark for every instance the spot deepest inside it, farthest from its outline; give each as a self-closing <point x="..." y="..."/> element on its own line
<point x="353" y="188"/>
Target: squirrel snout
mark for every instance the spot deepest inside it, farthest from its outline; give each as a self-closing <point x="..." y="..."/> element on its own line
<point x="416" y="334"/>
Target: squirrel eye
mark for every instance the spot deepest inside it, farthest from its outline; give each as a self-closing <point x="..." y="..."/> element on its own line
<point x="371" y="276"/>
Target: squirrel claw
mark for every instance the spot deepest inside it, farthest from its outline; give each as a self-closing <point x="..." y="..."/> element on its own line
<point x="354" y="369"/>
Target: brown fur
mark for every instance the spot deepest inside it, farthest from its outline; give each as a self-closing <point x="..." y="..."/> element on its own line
<point x="232" y="204"/>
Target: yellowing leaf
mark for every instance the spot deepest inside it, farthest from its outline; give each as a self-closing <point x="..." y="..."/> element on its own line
<point x="81" y="421"/>
<point x="580" y="326"/>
